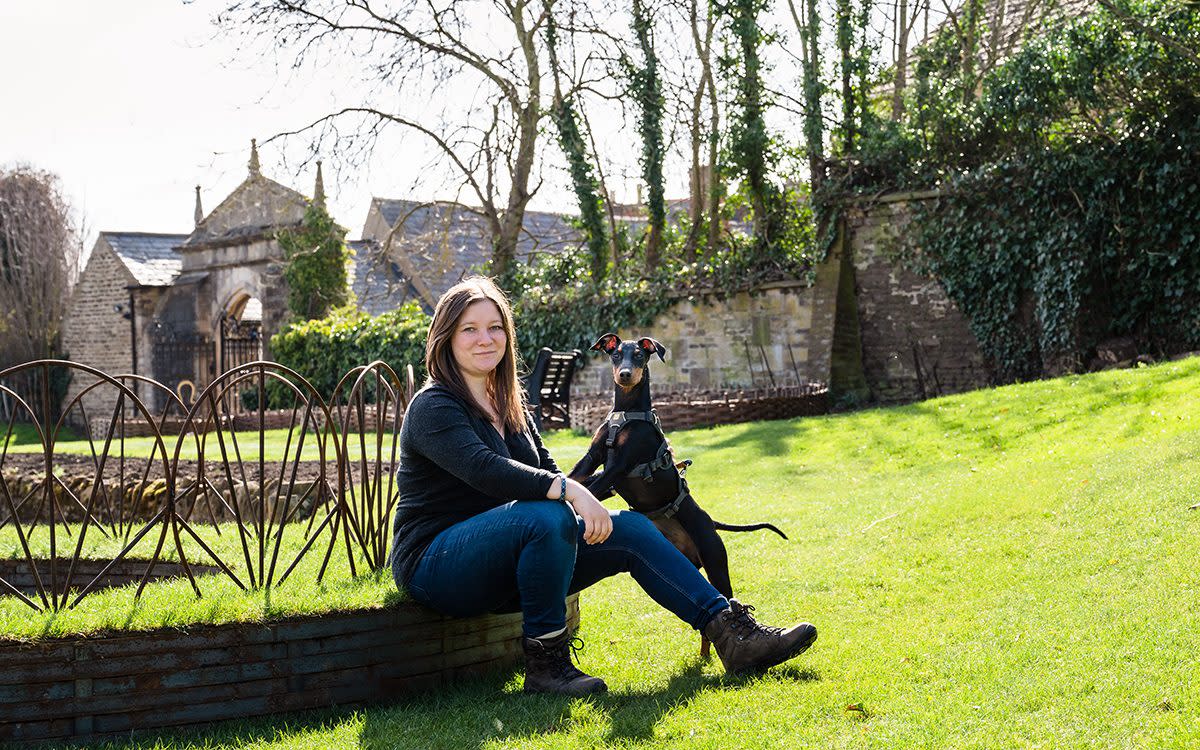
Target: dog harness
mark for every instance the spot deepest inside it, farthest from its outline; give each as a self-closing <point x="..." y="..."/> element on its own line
<point x="645" y="471"/>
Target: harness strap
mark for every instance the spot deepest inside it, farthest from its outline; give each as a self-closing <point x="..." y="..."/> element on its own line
<point x="617" y="420"/>
<point x="673" y="508"/>
<point x="645" y="472"/>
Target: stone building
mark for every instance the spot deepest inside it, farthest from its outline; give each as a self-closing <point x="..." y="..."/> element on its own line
<point x="181" y="308"/>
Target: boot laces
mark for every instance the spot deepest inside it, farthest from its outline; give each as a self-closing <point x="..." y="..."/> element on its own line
<point x="562" y="655"/>
<point x="745" y="624"/>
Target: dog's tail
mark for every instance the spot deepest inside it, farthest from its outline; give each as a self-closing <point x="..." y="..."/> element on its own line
<point x="748" y="527"/>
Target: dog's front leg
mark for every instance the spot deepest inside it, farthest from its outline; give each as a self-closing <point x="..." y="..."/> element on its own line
<point x="590" y="461"/>
<point x="603" y="485"/>
<point x="598" y="484"/>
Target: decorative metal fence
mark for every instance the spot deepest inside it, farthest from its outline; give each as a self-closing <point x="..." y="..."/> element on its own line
<point x="159" y="474"/>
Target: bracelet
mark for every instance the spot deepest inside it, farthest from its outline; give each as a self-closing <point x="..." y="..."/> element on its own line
<point x="562" y="488"/>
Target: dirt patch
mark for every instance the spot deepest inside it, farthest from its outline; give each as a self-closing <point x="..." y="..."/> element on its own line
<point x="71" y="465"/>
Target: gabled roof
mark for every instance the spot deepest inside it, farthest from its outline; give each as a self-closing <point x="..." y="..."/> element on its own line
<point x="443" y="242"/>
<point x="254" y="209"/>
<point x="151" y="258"/>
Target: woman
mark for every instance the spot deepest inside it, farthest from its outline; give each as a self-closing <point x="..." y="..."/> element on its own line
<point x="486" y="521"/>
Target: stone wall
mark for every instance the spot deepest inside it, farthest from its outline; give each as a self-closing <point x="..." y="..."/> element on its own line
<point x="868" y="327"/>
<point x="779" y="335"/>
<point x="95" y="333"/>
<point x="916" y="344"/>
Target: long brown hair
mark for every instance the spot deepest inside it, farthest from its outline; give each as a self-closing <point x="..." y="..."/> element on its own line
<point x="507" y="395"/>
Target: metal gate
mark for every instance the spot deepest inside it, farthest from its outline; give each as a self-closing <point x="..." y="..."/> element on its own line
<point x="185" y="365"/>
<point x="241" y="342"/>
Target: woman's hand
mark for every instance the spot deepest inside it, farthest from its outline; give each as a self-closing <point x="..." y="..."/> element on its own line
<point x="597" y="523"/>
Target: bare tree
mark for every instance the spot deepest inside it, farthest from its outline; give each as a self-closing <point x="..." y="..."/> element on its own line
<point x="428" y="49"/>
<point x="39" y="262"/>
<point x="987" y="34"/>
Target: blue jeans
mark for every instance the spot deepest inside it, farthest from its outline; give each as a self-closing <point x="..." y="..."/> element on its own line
<point x="529" y="555"/>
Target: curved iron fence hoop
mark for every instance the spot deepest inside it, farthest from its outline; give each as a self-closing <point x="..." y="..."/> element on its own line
<point x="50" y="482"/>
<point x="353" y="513"/>
<point x="369" y="508"/>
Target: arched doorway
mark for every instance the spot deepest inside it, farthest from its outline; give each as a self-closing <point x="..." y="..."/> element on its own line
<point x="241" y="332"/>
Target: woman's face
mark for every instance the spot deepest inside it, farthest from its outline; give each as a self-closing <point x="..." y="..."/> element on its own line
<point x="479" y="341"/>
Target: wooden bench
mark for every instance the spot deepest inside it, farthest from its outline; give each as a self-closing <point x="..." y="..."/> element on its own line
<point x="549" y="387"/>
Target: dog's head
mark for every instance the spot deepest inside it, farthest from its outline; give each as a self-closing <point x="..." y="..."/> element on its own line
<point x="629" y="358"/>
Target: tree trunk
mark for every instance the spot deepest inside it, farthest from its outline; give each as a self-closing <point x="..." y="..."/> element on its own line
<point x="901" y="61"/>
<point x="698" y="192"/>
<point x="845" y="42"/>
<point x="814" y="125"/>
<point x="570" y="138"/>
<point x="648" y="87"/>
<point x="715" y="188"/>
<point x="504" y="246"/>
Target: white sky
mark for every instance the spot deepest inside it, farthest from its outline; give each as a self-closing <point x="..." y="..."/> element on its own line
<point x="132" y="103"/>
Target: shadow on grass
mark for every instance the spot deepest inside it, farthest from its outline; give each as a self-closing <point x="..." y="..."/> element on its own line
<point x="480" y="711"/>
<point x="768" y="438"/>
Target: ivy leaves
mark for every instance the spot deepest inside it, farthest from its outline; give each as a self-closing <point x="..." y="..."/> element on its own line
<point x="316" y="262"/>
<point x="1048" y="253"/>
<point x="1068" y="186"/>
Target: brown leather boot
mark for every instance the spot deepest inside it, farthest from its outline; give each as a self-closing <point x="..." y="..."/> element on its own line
<point x="744" y="645"/>
<point x="548" y="668"/>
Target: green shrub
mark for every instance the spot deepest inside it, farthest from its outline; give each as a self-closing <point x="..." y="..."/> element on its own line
<point x="317" y="261"/>
<point x="325" y="349"/>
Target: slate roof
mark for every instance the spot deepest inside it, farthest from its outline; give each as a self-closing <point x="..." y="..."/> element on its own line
<point x="445" y="241"/>
<point x="151" y="258"/>
<point x="378" y="283"/>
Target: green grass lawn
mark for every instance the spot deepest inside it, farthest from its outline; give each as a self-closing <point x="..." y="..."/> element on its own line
<point x="1007" y="568"/>
<point x="172" y="603"/>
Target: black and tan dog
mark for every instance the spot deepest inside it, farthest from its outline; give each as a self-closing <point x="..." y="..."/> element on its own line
<point x="640" y="467"/>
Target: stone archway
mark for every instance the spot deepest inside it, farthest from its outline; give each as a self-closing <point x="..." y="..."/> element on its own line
<point x="240" y="329"/>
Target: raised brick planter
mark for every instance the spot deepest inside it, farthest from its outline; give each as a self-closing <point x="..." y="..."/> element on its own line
<point x="96" y="686"/>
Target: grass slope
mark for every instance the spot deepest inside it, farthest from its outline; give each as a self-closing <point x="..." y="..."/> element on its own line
<point x="1006" y="568"/>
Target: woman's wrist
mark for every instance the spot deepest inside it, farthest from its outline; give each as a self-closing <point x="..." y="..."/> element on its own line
<point x="558" y="488"/>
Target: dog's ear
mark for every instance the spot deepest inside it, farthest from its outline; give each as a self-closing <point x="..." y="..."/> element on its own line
<point x="607" y="343"/>
<point x="653" y="347"/>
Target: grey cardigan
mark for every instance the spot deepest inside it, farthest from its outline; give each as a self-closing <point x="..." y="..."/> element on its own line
<point x="454" y="465"/>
